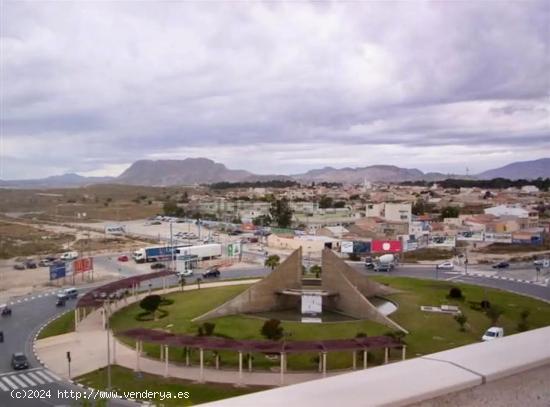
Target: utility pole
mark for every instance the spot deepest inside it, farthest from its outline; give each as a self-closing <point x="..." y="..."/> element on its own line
<point x="105" y="309"/>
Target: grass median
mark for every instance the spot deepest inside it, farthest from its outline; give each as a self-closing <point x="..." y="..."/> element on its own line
<point x="59" y="326"/>
<point x="170" y="391"/>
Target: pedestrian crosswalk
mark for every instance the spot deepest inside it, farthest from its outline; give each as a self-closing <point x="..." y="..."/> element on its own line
<point x="26" y="378"/>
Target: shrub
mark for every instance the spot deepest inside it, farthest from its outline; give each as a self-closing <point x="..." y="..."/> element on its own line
<point x="523" y="325"/>
<point x="150" y="303"/>
<point x="455" y="293"/>
<point x="485" y="304"/>
<point x="494" y="313"/>
<point x="272" y="329"/>
<point x="461" y="319"/>
<point x="209" y="328"/>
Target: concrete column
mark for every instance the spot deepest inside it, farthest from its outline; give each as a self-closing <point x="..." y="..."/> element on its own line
<point x="386" y="356"/>
<point x="250" y="362"/>
<point x="324" y="363"/>
<point x="364" y="359"/>
<point x="403" y="352"/>
<point x="282" y="357"/>
<point x="76" y="321"/>
<point x="201" y="358"/>
<point x="217" y="360"/>
<point x="137" y="356"/>
<point x="354" y="360"/>
<point x="166" y="360"/>
<point x="103" y="318"/>
<point x="240" y="367"/>
<point x="161" y="353"/>
<point x="113" y="339"/>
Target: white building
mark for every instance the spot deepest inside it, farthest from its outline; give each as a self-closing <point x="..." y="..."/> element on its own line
<point x="507" y="210"/>
<point x="391" y="211"/>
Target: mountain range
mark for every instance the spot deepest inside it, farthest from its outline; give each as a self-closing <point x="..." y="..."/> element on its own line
<point x="205" y="171"/>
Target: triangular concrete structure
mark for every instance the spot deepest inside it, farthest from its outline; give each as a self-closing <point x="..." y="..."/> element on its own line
<point x="265" y="294"/>
<point x="353" y="291"/>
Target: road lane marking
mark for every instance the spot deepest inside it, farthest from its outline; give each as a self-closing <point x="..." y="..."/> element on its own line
<point x="19" y="381"/>
<point x="37" y="378"/>
<point x="452" y="278"/>
<point x="10" y="383"/>
<point x="25" y="378"/>
<point x="3" y="387"/>
<point x="44" y="376"/>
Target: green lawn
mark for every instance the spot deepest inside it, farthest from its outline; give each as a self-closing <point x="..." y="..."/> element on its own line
<point x="62" y="325"/>
<point x="126" y="380"/>
<point x="429" y="332"/>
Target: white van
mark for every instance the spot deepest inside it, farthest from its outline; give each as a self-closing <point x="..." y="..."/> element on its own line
<point x="493" y="332"/>
<point x="69" y="256"/>
<point x="71" y="292"/>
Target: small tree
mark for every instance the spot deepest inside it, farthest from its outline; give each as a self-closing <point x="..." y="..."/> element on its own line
<point x="523" y="325"/>
<point x="151" y="303"/>
<point x="494" y="313"/>
<point x="182" y="282"/>
<point x="315" y="269"/>
<point x="461" y="319"/>
<point x="209" y="328"/>
<point x="272" y="329"/>
<point x="272" y="261"/>
<point x="455" y="293"/>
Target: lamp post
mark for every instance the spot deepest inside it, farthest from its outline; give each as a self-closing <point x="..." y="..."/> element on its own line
<point x="106" y="311"/>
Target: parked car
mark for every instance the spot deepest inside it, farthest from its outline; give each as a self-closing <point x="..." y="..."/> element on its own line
<point x="123" y="258"/>
<point x="211" y="273"/>
<point x="446" y="265"/>
<point x="369" y="263"/>
<point x="30" y="264"/>
<point x="156" y="222"/>
<point x="19" y="361"/>
<point x="538" y="263"/>
<point x="501" y="265"/>
<point x="157" y="266"/>
<point x="493" y="332"/>
<point x="19" y="266"/>
<point x="185" y="273"/>
<point x="6" y="311"/>
<point x="45" y="263"/>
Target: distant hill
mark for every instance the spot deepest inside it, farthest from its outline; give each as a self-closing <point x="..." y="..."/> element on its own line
<point x="520" y="170"/>
<point x="373" y="173"/>
<point x="56" y="181"/>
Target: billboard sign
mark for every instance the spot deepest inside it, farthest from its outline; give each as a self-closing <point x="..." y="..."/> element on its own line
<point x="361" y="247"/>
<point x="116" y="230"/>
<point x="346" y="246"/>
<point x="82" y="265"/>
<point x="470" y="235"/>
<point x="498" y="237"/>
<point x="57" y="270"/>
<point x="392" y="246"/>
<point x="233" y="249"/>
<point x="442" y="241"/>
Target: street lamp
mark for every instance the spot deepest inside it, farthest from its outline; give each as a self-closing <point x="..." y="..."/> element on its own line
<point x="106" y="311"/>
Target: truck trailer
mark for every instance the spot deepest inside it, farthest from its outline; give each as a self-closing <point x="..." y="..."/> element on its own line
<point x="155" y="253"/>
<point x="203" y="252"/>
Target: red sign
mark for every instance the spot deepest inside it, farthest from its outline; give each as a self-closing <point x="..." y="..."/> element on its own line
<point x="82" y="265"/>
<point x="393" y="246"/>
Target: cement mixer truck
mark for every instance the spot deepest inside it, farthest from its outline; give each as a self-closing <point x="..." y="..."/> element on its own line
<point x="386" y="262"/>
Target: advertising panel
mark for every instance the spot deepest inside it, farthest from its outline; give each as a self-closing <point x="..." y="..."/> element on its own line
<point x="346" y="246"/>
<point x="116" y="230"/>
<point x="392" y="246"/>
<point x="498" y="237"/>
<point x="82" y="265"/>
<point x="233" y="249"/>
<point x="471" y="235"/>
<point x="442" y="241"/>
<point x="57" y="270"/>
<point x="361" y="247"/>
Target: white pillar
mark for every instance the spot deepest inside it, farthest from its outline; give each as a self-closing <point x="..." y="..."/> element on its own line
<point x="282" y="368"/>
<point x="320" y="362"/>
<point x="137" y="356"/>
<point x="240" y="367"/>
<point x="75" y="318"/>
<point x="365" y="359"/>
<point x="103" y="317"/>
<point x="324" y="363"/>
<point x="201" y="358"/>
<point x="166" y="360"/>
<point x="386" y="355"/>
<point x="113" y="339"/>
<point x="403" y="352"/>
<point x="161" y="353"/>
<point x="354" y="360"/>
<point x="217" y="360"/>
<point x="250" y="362"/>
<point x="187" y="352"/>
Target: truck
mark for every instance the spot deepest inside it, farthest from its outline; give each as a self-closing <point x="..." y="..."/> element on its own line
<point x="69" y="256"/>
<point x="155" y="253"/>
<point x="385" y="262"/>
<point x="203" y="252"/>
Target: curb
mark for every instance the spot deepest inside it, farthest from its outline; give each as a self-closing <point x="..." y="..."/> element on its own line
<point x="516" y="280"/>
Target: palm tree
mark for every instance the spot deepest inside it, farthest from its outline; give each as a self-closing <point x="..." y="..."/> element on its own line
<point x="272" y="261"/>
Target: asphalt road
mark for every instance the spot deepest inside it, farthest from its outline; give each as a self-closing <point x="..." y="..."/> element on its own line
<point x="28" y="316"/>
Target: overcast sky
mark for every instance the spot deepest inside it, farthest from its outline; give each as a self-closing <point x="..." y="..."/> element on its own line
<point x="90" y="87"/>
